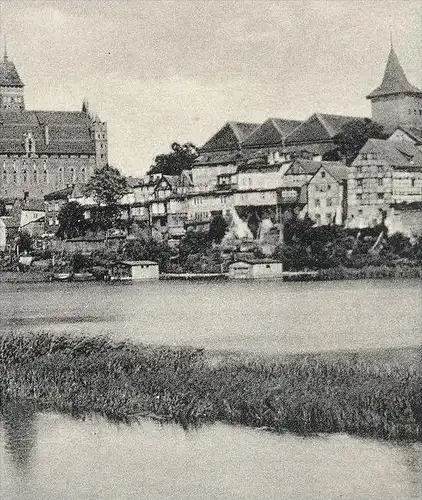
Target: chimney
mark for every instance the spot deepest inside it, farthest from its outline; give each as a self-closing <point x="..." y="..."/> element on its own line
<point x="46" y="135"/>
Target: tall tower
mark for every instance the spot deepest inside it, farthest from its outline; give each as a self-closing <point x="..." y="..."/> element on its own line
<point x="11" y="86"/>
<point x="396" y="101"/>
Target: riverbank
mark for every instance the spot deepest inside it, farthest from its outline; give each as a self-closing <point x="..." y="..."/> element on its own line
<point x="366" y="394"/>
<point x="336" y="273"/>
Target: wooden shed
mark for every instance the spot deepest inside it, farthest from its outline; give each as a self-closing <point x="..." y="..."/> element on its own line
<point x="135" y="270"/>
<point x="255" y="269"/>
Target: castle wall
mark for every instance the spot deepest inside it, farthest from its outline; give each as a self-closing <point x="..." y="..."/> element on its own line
<point x="41" y="175"/>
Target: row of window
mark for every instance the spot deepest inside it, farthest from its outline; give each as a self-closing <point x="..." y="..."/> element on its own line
<point x="360" y="169"/>
<point x="42" y="177"/>
<point x="329" y="202"/>
<point x="415" y="111"/>
<point x="360" y="197"/>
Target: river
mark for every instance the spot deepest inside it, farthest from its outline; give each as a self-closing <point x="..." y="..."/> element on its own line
<point x="51" y="456"/>
<point x="54" y="457"/>
<point x="261" y="316"/>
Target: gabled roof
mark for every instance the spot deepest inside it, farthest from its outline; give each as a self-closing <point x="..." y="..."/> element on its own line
<point x="309" y="167"/>
<point x="10" y="222"/>
<point x="69" y="132"/>
<point x="339" y="171"/>
<point x="61" y="194"/>
<point x="217" y="158"/>
<point x="394" y="81"/>
<point x="8" y="75"/>
<point x="414" y="133"/>
<point x="397" y="153"/>
<point x="230" y="137"/>
<point x="271" y="133"/>
<point x="318" y="128"/>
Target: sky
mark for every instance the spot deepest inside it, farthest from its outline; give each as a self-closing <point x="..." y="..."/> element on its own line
<point x="165" y="71"/>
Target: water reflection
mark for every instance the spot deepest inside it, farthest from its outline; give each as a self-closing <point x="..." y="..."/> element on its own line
<point x="19" y="422"/>
<point x="97" y="459"/>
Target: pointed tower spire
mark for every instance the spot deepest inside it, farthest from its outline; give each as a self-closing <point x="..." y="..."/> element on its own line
<point x="394" y="81"/>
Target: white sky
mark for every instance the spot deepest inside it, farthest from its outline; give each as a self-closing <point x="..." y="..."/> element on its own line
<point x="159" y="72"/>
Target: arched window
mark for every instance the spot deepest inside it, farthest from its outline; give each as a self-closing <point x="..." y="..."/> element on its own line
<point x="15" y="177"/>
<point x="83" y="175"/>
<point x="4" y="176"/>
<point x="72" y="174"/>
<point x="45" y="175"/>
<point x="60" y="176"/>
<point x="35" y="176"/>
<point x="25" y="176"/>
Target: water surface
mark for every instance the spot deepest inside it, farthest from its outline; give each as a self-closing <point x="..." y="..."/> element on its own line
<point x="55" y="457"/>
<point x="266" y="316"/>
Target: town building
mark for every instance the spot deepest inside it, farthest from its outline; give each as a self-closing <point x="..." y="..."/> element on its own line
<point x="255" y="269"/>
<point x="384" y="174"/>
<point x="327" y="194"/>
<point x="44" y="151"/>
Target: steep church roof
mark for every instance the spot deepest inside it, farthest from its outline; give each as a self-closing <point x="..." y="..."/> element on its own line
<point x="8" y="75"/>
<point x="68" y="132"/>
<point x="230" y="137"/>
<point x="272" y="132"/>
<point x="394" y="81"/>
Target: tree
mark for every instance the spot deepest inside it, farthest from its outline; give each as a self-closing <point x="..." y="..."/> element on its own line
<point x="353" y="136"/>
<point x="24" y="242"/>
<point x="71" y="220"/>
<point x="218" y="228"/>
<point x="181" y="157"/>
<point x="107" y="185"/>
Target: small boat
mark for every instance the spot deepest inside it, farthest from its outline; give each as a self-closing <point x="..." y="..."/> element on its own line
<point x="61" y="277"/>
<point x="120" y="279"/>
<point x="83" y="277"/>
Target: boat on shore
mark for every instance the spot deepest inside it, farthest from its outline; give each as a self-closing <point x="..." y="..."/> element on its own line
<point x="61" y="277"/>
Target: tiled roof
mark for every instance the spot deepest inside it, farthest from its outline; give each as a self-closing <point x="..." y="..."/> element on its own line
<point x="272" y="132"/>
<point x="394" y="81"/>
<point x="318" y="128"/>
<point x="61" y="194"/>
<point x="69" y="132"/>
<point x="336" y="169"/>
<point x="230" y="137"/>
<point x="397" y="153"/>
<point x="8" y="75"/>
<point x="309" y="167"/>
<point x="218" y="157"/>
<point x="10" y="222"/>
<point x="32" y="205"/>
<point x="414" y="132"/>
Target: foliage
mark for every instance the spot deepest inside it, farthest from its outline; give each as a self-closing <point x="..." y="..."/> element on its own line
<point x="353" y="136"/>
<point x="180" y="158"/>
<point x="325" y="247"/>
<point x="218" y="228"/>
<point x="25" y="242"/>
<point x="80" y="262"/>
<point x="366" y="394"/>
<point x="107" y="185"/>
<point x="72" y="221"/>
<point x="148" y="249"/>
<point x="3" y="210"/>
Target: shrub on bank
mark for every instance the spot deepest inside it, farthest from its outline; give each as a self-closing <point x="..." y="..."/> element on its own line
<point x="305" y="394"/>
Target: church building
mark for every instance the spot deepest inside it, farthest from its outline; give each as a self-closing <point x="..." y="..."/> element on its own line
<point x="44" y="151"/>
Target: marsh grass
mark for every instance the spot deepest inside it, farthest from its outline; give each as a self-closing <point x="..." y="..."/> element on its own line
<point x="367" y="395"/>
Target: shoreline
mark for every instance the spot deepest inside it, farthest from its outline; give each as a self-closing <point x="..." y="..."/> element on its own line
<point x="330" y="274"/>
<point x="369" y="394"/>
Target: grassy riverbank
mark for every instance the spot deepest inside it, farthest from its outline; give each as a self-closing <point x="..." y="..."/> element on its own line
<point x="368" y="394"/>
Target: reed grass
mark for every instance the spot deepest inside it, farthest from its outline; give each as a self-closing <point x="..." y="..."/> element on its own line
<point x="361" y="395"/>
